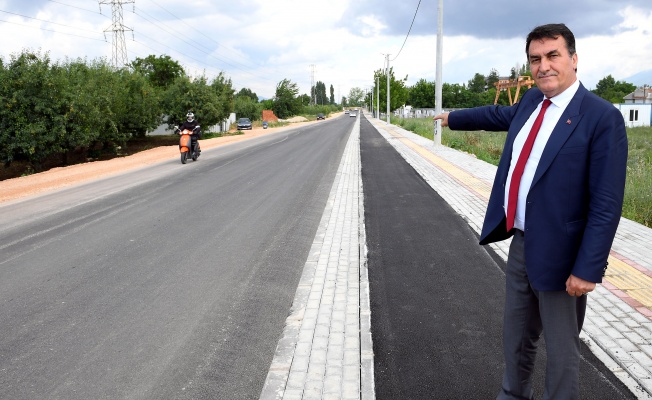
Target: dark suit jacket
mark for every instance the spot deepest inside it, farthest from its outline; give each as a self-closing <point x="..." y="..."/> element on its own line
<point x="575" y="201"/>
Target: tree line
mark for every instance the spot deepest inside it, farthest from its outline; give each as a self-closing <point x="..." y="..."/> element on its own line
<point x="478" y="91"/>
<point x="50" y="108"/>
<point x="54" y="108"/>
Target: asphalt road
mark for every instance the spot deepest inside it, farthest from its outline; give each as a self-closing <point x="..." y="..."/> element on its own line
<point x="171" y="282"/>
<point x="436" y="295"/>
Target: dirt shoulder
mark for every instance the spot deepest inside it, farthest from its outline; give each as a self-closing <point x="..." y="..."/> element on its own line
<point x="57" y="178"/>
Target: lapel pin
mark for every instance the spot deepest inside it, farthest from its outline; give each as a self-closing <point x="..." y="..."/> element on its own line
<point x="568" y="122"/>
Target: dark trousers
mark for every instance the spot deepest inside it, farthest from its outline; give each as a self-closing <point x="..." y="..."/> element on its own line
<point x="528" y="313"/>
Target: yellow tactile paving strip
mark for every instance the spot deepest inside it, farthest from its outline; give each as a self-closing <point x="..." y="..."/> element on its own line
<point x="627" y="282"/>
<point x="478" y="186"/>
<point x="630" y="281"/>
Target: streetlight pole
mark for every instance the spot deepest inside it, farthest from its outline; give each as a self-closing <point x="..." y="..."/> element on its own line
<point x="388" y="87"/>
<point x="377" y="99"/>
<point x="438" y="82"/>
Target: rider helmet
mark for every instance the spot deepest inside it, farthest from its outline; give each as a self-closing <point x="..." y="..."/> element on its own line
<point x="190" y="116"/>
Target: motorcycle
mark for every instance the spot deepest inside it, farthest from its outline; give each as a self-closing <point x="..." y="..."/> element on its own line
<point x="186" y="147"/>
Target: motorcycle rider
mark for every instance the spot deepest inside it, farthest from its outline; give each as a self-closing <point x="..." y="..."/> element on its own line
<point x="192" y="125"/>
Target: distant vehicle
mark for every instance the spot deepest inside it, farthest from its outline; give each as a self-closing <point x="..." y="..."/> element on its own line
<point x="346" y="111"/>
<point x="353" y="114"/>
<point x="244" y="123"/>
<point x="320" y="116"/>
<point x="264" y="124"/>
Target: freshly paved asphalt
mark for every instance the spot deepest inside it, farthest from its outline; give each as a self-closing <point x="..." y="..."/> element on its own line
<point x="436" y="295"/>
<point x="170" y="282"/>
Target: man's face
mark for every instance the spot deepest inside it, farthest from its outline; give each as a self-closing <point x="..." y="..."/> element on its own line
<point x="552" y="66"/>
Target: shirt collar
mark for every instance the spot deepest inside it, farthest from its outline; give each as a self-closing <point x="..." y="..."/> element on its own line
<point x="563" y="98"/>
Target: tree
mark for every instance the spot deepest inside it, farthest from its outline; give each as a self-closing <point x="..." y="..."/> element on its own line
<point x="304" y="100"/>
<point x="247" y="108"/>
<point x="492" y="78"/>
<point x="613" y="91"/>
<point x="398" y="92"/>
<point x="318" y="93"/>
<point x="136" y="106"/>
<point x="422" y="94"/>
<point x="286" y="103"/>
<point x="247" y="93"/>
<point x="211" y="103"/>
<point x="31" y="120"/>
<point x="267" y="104"/>
<point x="356" y="97"/>
<point x="332" y="98"/>
<point x="223" y="88"/>
<point x="161" y="71"/>
<point x="478" y="84"/>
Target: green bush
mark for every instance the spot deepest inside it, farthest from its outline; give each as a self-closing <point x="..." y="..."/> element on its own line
<point x="49" y="108"/>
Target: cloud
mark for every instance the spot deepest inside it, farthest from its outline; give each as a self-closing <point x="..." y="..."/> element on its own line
<point x="257" y="43"/>
<point x="496" y="19"/>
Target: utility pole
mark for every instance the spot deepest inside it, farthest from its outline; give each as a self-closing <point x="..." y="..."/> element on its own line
<point x="388" y="87"/>
<point x="313" y="89"/>
<point x="377" y="99"/>
<point x="119" y="53"/>
<point x="371" y="100"/>
<point x="438" y="78"/>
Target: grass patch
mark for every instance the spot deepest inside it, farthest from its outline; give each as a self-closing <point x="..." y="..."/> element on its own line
<point x="638" y="187"/>
<point x="488" y="146"/>
<point x="276" y="124"/>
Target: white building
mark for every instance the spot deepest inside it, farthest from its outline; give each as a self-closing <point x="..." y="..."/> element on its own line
<point x="636" y="114"/>
<point x="637" y="107"/>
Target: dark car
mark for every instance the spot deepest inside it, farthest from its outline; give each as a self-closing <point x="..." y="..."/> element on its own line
<point x="265" y="124"/>
<point x="244" y="123"/>
<point x="320" y="116"/>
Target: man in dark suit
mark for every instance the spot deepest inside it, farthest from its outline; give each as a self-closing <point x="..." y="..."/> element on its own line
<point x="558" y="192"/>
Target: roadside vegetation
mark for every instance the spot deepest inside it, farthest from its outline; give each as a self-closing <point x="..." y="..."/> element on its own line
<point x="55" y="113"/>
<point x="487" y="146"/>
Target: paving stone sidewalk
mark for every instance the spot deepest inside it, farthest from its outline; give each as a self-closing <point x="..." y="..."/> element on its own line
<point x="618" y="326"/>
<point x="325" y="351"/>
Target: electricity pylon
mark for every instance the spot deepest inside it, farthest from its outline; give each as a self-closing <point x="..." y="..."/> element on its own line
<point x="119" y="53"/>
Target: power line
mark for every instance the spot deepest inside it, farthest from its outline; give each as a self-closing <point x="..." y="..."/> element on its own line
<point x="119" y="53"/>
<point x="162" y="44"/>
<point x="177" y="34"/>
<point x="222" y="58"/>
<point x="79" y="8"/>
<point x="409" y="30"/>
<point x="49" y="22"/>
<point x="51" y="30"/>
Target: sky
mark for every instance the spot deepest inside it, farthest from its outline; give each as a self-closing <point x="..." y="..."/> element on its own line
<point x="258" y="43"/>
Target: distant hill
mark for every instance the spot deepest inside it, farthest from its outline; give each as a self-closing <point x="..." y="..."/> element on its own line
<point x="640" y="79"/>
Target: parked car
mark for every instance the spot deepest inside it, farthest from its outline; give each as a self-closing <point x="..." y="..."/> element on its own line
<point x="265" y="124"/>
<point x="320" y="116"/>
<point x="244" y="123"/>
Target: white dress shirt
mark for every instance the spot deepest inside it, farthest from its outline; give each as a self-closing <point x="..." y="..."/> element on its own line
<point x="550" y="119"/>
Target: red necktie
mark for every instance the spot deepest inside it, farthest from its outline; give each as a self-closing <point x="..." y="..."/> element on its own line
<point x="520" y="166"/>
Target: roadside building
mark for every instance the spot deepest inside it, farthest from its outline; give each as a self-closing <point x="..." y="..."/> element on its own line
<point x="637" y="107"/>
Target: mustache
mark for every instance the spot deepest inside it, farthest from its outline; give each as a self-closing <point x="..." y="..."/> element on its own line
<point x="549" y="74"/>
